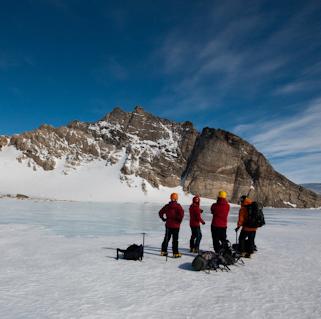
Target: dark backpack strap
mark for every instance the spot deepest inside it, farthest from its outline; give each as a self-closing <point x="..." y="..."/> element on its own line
<point x="120" y="250"/>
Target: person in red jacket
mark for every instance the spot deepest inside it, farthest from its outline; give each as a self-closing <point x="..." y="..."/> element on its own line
<point x="174" y="215"/>
<point x="195" y="220"/>
<point x="220" y="211"/>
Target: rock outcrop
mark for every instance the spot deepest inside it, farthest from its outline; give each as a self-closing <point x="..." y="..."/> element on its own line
<point x="164" y="153"/>
<point x="221" y="160"/>
<point x="3" y="141"/>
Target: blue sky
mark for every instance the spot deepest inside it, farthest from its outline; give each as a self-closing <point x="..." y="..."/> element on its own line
<point x="249" y="67"/>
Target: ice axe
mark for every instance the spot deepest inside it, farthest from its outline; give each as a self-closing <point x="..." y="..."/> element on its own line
<point x="245" y="196"/>
<point x="143" y="243"/>
<point x="248" y="193"/>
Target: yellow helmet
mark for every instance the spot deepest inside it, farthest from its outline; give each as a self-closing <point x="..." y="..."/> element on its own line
<point x="174" y="197"/>
<point x="222" y="194"/>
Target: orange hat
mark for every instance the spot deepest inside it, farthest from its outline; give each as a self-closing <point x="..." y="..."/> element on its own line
<point x="174" y="197"/>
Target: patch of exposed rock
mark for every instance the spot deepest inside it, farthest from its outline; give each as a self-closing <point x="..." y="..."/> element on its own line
<point x="48" y="144"/>
<point x="4" y="140"/>
<point x="22" y="196"/>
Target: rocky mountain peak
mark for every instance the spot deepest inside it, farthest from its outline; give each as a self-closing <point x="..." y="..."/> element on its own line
<point x="139" y="109"/>
<point x="162" y="153"/>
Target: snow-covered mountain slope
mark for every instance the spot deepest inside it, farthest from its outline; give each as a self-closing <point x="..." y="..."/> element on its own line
<point x="92" y="181"/>
<point x="148" y="154"/>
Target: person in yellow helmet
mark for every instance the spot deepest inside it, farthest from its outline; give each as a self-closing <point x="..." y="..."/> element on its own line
<point x="220" y="211"/>
<point x="174" y="215"/>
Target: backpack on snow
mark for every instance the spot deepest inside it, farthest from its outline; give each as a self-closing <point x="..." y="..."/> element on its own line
<point x="227" y="255"/>
<point x="199" y="263"/>
<point x="207" y="260"/>
<point x="255" y="216"/>
<point x="133" y="252"/>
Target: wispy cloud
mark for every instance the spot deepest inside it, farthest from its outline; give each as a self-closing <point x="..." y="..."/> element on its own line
<point x="294" y="87"/>
<point x="308" y="79"/>
<point x="301" y="169"/>
<point x="298" y="133"/>
<point x="299" y="86"/>
<point x="289" y="141"/>
<point x="208" y="69"/>
<point x="237" y="52"/>
<point x="314" y="69"/>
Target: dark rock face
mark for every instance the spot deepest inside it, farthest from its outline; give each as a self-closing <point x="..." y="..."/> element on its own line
<point x="221" y="160"/>
<point x="164" y="153"/>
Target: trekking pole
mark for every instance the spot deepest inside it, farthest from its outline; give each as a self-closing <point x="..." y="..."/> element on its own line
<point x="143" y="243"/>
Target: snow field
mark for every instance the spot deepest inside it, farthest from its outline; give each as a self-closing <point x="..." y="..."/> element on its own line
<point x="93" y="181"/>
<point x="50" y="274"/>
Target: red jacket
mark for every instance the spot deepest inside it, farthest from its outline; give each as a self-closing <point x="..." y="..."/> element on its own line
<point x="195" y="215"/>
<point x="220" y="211"/>
<point x="174" y="214"/>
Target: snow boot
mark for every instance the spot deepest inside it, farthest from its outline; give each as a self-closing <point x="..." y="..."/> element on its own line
<point x="178" y="255"/>
<point x="164" y="253"/>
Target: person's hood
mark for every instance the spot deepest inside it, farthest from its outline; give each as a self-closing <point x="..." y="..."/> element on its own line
<point x="221" y="200"/>
<point x="196" y="200"/>
<point x="247" y="201"/>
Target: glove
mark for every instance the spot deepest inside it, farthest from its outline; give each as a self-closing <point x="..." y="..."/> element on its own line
<point x="237" y="229"/>
<point x="203" y="223"/>
<point x="201" y="211"/>
<point x="163" y="219"/>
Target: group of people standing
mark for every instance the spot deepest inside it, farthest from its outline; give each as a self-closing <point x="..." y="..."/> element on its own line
<point x="172" y="214"/>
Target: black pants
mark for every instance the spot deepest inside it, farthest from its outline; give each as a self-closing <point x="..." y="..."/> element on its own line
<point x="195" y="238"/>
<point x="246" y="241"/>
<point x="218" y="236"/>
<point x="168" y="234"/>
